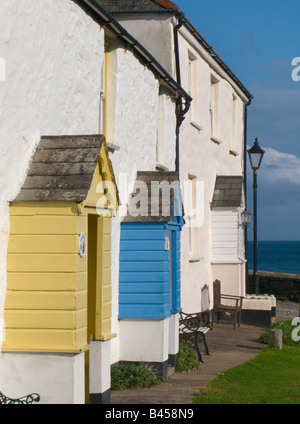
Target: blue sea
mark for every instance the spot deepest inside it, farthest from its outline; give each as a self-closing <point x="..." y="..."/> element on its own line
<point x="276" y="256"/>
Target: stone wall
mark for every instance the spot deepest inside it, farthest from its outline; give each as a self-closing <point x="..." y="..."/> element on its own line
<point x="285" y="286"/>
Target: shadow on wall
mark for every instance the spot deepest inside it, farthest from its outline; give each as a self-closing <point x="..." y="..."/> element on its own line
<point x="205" y="298"/>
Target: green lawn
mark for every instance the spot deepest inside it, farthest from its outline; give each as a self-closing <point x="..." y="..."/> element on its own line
<point x="273" y="377"/>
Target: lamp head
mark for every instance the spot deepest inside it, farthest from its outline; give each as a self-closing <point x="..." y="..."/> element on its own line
<point x="255" y="155"/>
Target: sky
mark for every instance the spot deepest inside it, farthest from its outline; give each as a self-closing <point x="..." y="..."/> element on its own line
<point x="260" y="40"/>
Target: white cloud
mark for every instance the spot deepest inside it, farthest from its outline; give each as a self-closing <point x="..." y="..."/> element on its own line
<point x="280" y="167"/>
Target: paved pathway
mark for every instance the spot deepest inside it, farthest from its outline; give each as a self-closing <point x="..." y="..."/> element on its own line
<point x="228" y="349"/>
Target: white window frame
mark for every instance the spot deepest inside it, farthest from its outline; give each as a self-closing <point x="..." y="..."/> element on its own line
<point x="214" y="109"/>
<point x="193" y="88"/>
<point x="233" y="147"/>
<point x="191" y="206"/>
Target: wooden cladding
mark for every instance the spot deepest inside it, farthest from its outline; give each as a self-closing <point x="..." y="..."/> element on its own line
<point x="46" y="307"/>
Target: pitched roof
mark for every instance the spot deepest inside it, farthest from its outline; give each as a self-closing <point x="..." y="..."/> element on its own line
<point x="103" y="17"/>
<point x="116" y="7"/>
<point x="228" y="191"/>
<point x="61" y="169"/>
<point x="134" y="5"/>
<point x="155" y="197"/>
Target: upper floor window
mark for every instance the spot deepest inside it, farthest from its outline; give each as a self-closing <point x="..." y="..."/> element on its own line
<point x="193" y="85"/>
<point x="166" y="122"/>
<point x="214" y="108"/>
<point x="191" y="209"/>
<point x="160" y="142"/>
<point x="102" y="99"/>
<point x="233" y="144"/>
<point x="2" y="69"/>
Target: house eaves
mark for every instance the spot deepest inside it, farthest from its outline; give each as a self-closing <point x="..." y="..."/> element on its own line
<point x="117" y="7"/>
<point x="212" y="53"/>
<point x="106" y="19"/>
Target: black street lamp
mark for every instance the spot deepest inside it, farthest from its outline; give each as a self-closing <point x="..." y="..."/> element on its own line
<point x="255" y="157"/>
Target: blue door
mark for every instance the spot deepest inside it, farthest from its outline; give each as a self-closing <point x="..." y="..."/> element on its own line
<point x="174" y="268"/>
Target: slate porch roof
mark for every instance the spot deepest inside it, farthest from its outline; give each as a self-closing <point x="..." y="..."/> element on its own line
<point x="61" y="169"/>
<point x="153" y="202"/>
<point x="228" y="191"/>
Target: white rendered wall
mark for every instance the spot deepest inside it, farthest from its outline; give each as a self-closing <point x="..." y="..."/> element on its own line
<point x="133" y="111"/>
<point x="53" y="53"/>
<point x="173" y="334"/>
<point x="229" y="274"/>
<point x="99" y="366"/>
<point x="148" y="29"/>
<point x="199" y="156"/>
<point x="205" y="159"/>
<point x="57" y="378"/>
<point x="135" y="336"/>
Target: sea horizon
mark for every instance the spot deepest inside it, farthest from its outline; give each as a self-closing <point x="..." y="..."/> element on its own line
<point x="276" y="256"/>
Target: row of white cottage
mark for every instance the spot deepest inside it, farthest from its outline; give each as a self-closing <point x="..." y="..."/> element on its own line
<point x="126" y="92"/>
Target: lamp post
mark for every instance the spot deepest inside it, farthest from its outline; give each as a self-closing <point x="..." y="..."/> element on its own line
<point x="255" y="157"/>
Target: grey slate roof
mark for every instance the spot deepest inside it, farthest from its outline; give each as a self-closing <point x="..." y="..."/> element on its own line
<point x="61" y="169"/>
<point x="122" y="5"/>
<point x="149" y="199"/>
<point x="228" y="191"/>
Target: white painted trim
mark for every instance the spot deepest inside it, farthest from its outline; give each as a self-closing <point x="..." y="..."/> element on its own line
<point x="234" y="152"/>
<point x="2" y="69"/>
<point x="216" y="140"/>
<point x="99" y="366"/>
<point x="195" y="258"/>
<point x="161" y="167"/>
<point x="197" y="126"/>
<point x="225" y="262"/>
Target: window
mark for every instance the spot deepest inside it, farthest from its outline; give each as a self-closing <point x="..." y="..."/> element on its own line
<point x="192" y="86"/>
<point x="214" y="109"/>
<point x="165" y="141"/>
<point x="102" y="99"/>
<point x="233" y="149"/>
<point x="160" y="143"/>
<point x="102" y="112"/>
<point x="191" y="211"/>
<point x="2" y="70"/>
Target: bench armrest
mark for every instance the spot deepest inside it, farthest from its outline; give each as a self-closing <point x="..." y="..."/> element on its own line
<point x="192" y="322"/>
<point x="238" y="299"/>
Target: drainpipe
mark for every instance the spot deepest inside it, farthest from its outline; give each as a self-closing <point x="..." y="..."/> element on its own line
<point x="180" y="111"/>
<point x="245" y="191"/>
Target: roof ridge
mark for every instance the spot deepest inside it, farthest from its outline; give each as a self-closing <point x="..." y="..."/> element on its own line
<point x="167" y="4"/>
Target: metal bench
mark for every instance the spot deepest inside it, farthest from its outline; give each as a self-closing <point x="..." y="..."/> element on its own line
<point x="193" y="328"/>
<point x="33" y="397"/>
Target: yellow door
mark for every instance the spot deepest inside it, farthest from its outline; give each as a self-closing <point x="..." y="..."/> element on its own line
<point x="98" y="283"/>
